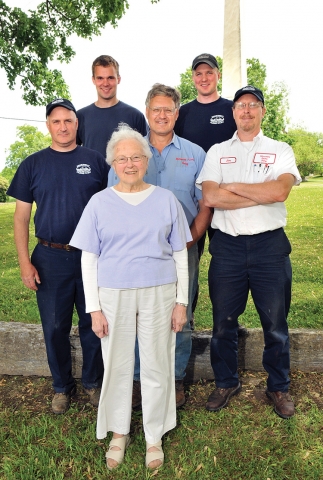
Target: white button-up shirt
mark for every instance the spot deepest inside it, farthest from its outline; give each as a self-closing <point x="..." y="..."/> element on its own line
<point x="258" y="161"/>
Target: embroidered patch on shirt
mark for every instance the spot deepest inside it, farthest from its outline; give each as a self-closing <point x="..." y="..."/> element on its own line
<point x="185" y="160"/>
<point x="83" y="169"/>
<point x="228" y="160"/>
<point x="216" y="119"/>
<point x="267" y="158"/>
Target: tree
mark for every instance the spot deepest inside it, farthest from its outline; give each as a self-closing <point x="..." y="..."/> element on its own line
<point x="308" y="150"/>
<point x="276" y="97"/>
<point x="256" y="73"/>
<point x="28" y="41"/>
<point x="276" y="100"/>
<point x="31" y="140"/>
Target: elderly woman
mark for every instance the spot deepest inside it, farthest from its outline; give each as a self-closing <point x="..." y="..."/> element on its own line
<point x="134" y="263"/>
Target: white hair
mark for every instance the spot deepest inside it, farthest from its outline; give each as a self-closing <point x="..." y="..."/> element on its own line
<point x="124" y="132"/>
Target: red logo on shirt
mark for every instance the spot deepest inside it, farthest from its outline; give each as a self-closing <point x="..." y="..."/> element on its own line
<point x="185" y="160"/>
<point x="267" y="158"/>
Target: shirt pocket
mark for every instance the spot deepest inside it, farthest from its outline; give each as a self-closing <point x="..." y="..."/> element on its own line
<point x="185" y="176"/>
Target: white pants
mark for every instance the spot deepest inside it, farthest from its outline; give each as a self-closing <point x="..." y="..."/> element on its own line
<point x="145" y="312"/>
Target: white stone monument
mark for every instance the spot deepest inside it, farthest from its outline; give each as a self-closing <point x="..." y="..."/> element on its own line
<point x="234" y="71"/>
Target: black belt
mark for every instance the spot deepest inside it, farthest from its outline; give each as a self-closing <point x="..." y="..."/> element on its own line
<point x="60" y="246"/>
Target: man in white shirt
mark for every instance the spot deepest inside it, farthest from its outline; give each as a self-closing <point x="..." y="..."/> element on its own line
<point x="247" y="179"/>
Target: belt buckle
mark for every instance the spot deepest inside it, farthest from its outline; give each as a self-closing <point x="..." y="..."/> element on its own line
<point x="68" y="248"/>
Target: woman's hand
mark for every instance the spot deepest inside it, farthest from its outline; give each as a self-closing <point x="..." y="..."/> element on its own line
<point x="99" y="324"/>
<point x="178" y="318"/>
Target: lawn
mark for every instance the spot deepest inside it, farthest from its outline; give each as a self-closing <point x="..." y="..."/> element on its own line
<point x="245" y="441"/>
<point x="304" y="229"/>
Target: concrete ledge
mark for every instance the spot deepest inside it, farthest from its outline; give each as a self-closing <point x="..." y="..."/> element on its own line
<point x="22" y="351"/>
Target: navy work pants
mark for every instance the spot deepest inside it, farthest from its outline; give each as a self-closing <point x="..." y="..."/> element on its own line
<point x="259" y="263"/>
<point x="61" y="288"/>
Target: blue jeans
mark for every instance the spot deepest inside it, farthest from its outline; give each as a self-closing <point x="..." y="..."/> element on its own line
<point x="183" y="338"/>
<point x="259" y="263"/>
<point x="61" y="288"/>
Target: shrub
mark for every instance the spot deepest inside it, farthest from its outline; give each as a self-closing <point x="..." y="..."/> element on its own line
<point x="4" y="185"/>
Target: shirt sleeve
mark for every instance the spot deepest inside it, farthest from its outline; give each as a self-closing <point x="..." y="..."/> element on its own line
<point x="287" y="163"/>
<point x="211" y="169"/>
<point x="200" y="158"/>
<point x="86" y="235"/>
<point x="142" y="127"/>
<point x="180" y="233"/>
<point x="89" y="264"/>
<point x="20" y="185"/>
<point x="181" y="264"/>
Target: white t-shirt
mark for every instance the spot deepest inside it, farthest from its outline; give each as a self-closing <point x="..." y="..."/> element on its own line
<point x="265" y="160"/>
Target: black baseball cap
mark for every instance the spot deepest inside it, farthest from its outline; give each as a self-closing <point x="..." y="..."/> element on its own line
<point x="205" y="58"/>
<point x="59" y="102"/>
<point x="249" y="89"/>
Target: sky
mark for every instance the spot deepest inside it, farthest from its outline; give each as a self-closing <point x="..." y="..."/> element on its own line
<point x="156" y="42"/>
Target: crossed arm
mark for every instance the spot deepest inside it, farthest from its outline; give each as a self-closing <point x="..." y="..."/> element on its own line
<point x="28" y="272"/>
<point x="231" y="196"/>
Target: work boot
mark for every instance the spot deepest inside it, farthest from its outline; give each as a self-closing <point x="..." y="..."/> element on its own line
<point x="220" y="397"/>
<point x="61" y="401"/>
<point x="180" y="394"/>
<point x="283" y="403"/>
<point x="94" y="394"/>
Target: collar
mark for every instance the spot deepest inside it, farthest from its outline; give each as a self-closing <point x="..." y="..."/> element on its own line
<point x="255" y="139"/>
<point x="175" y="141"/>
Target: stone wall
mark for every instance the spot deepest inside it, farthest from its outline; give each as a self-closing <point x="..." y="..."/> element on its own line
<point x="22" y="351"/>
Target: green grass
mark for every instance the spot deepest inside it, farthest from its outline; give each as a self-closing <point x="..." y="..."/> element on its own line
<point x="304" y="229"/>
<point x="244" y="441"/>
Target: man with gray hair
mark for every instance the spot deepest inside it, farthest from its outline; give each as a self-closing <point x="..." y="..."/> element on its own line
<point x="175" y="165"/>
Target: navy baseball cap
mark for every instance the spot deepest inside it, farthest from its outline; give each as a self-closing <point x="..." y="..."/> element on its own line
<point x="59" y="102"/>
<point x="205" y="58"/>
<point x="249" y="89"/>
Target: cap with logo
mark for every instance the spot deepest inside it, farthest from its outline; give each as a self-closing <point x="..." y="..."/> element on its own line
<point x="205" y="58"/>
<point x="249" y="89"/>
<point x="59" y="102"/>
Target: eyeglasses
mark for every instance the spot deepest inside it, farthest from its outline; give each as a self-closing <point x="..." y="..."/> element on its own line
<point x="169" y="112"/>
<point x="136" y="158"/>
<point x="251" y="105"/>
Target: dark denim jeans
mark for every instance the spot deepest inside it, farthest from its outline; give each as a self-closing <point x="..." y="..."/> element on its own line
<point x="259" y="263"/>
<point x="183" y="338"/>
<point x="61" y="288"/>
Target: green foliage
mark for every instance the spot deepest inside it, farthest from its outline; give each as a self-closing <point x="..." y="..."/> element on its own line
<point x="308" y="150"/>
<point x="187" y="88"/>
<point x="30" y="40"/>
<point x="275" y="120"/>
<point x="4" y="185"/>
<point x="8" y="173"/>
<point x="256" y="73"/>
<point x="31" y="141"/>
<point x="276" y="100"/>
